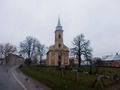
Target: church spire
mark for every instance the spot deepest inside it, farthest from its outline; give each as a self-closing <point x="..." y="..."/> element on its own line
<point x="59" y="24"/>
<point x="59" y="27"/>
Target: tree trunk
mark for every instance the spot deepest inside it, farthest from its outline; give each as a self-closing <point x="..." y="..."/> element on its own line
<point x="87" y="62"/>
<point x="40" y="59"/>
<point x="90" y="69"/>
<point x="79" y="61"/>
<point x="79" y="54"/>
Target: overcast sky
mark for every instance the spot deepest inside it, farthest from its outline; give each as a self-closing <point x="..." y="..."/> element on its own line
<point x="98" y="20"/>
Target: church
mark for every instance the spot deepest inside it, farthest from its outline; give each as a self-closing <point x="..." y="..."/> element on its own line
<point x="58" y="54"/>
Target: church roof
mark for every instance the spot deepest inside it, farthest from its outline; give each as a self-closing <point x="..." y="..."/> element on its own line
<point x="59" y="27"/>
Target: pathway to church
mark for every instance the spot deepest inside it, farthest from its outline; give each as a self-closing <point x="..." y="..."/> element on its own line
<point x="12" y="79"/>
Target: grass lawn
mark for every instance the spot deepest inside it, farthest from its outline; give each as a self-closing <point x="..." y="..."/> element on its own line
<point x="51" y="77"/>
<point x="103" y="70"/>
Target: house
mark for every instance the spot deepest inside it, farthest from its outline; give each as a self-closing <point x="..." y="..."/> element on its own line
<point x="13" y="59"/>
<point x="73" y="61"/>
<point x="111" y="60"/>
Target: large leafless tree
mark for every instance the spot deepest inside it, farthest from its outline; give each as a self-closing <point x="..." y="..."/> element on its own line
<point x="32" y="49"/>
<point x="81" y="47"/>
<point x="88" y="53"/>
<point x="27" y="47"/>
<point x="41" y="49"/>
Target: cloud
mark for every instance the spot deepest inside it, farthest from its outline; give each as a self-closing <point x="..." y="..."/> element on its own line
<point x="99" y="20"/>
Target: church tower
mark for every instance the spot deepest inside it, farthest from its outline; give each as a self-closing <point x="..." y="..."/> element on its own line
<point x="59" y="35"/>
<point x="58" y="54"/>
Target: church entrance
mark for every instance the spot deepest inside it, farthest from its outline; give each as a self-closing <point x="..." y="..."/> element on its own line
<point x="59" y="60"/>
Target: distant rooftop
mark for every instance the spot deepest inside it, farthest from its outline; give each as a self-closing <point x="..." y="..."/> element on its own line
<point x="111" y="57"/>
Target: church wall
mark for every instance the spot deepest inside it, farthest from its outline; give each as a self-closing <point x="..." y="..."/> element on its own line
<point x="56" y="58"/>
<point x="66" y="59"/>
<point x="52" y="58"/>
<point x="49" y="58"/>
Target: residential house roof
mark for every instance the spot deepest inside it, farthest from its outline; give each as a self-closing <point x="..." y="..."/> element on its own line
<point x="111" y="57"/>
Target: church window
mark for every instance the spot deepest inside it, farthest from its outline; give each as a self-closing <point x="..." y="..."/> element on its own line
<point x="59" y="45"/>
<point x="59" y="36"/>
<point x="59" y="57"/>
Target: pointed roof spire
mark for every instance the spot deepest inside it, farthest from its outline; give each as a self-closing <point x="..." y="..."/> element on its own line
<point x="59" y="24"/>
<point x="59" y="27"/>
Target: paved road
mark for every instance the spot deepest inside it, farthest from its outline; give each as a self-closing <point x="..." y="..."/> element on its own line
<point x="11" y="78"/>
<point x="7" y="80"/>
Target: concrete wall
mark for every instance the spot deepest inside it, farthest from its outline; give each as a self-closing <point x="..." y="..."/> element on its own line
<point x="13" y="60"/>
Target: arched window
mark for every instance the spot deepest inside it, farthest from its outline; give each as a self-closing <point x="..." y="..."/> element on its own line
<point x="59" y="57"/>
<point x="59" y="36"/>
<point x="59" y="45"/>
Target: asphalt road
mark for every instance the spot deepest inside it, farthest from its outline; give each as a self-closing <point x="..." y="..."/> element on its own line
<point x="11" y="78"/>
<point x="7" y="80"/>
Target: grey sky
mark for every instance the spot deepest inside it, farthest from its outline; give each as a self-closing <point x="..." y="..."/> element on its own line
<point x="98" y="20"/>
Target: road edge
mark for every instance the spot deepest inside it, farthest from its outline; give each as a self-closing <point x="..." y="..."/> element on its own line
<point x="18" y="80"/>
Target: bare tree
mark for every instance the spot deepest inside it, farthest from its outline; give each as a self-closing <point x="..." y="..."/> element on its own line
<point x="41" y="51"/>
<point x="98" y="61"/>
<point x="88" y="53"/>
<point x="6" y="49"/>
<point x="27" y="47"/>
<point x="32" y="49"/>
<point x="81" y="47"/>
<point x="88" y="56"/>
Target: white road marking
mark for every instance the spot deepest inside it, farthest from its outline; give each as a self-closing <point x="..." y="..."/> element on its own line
<point x="18" y="81"/>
